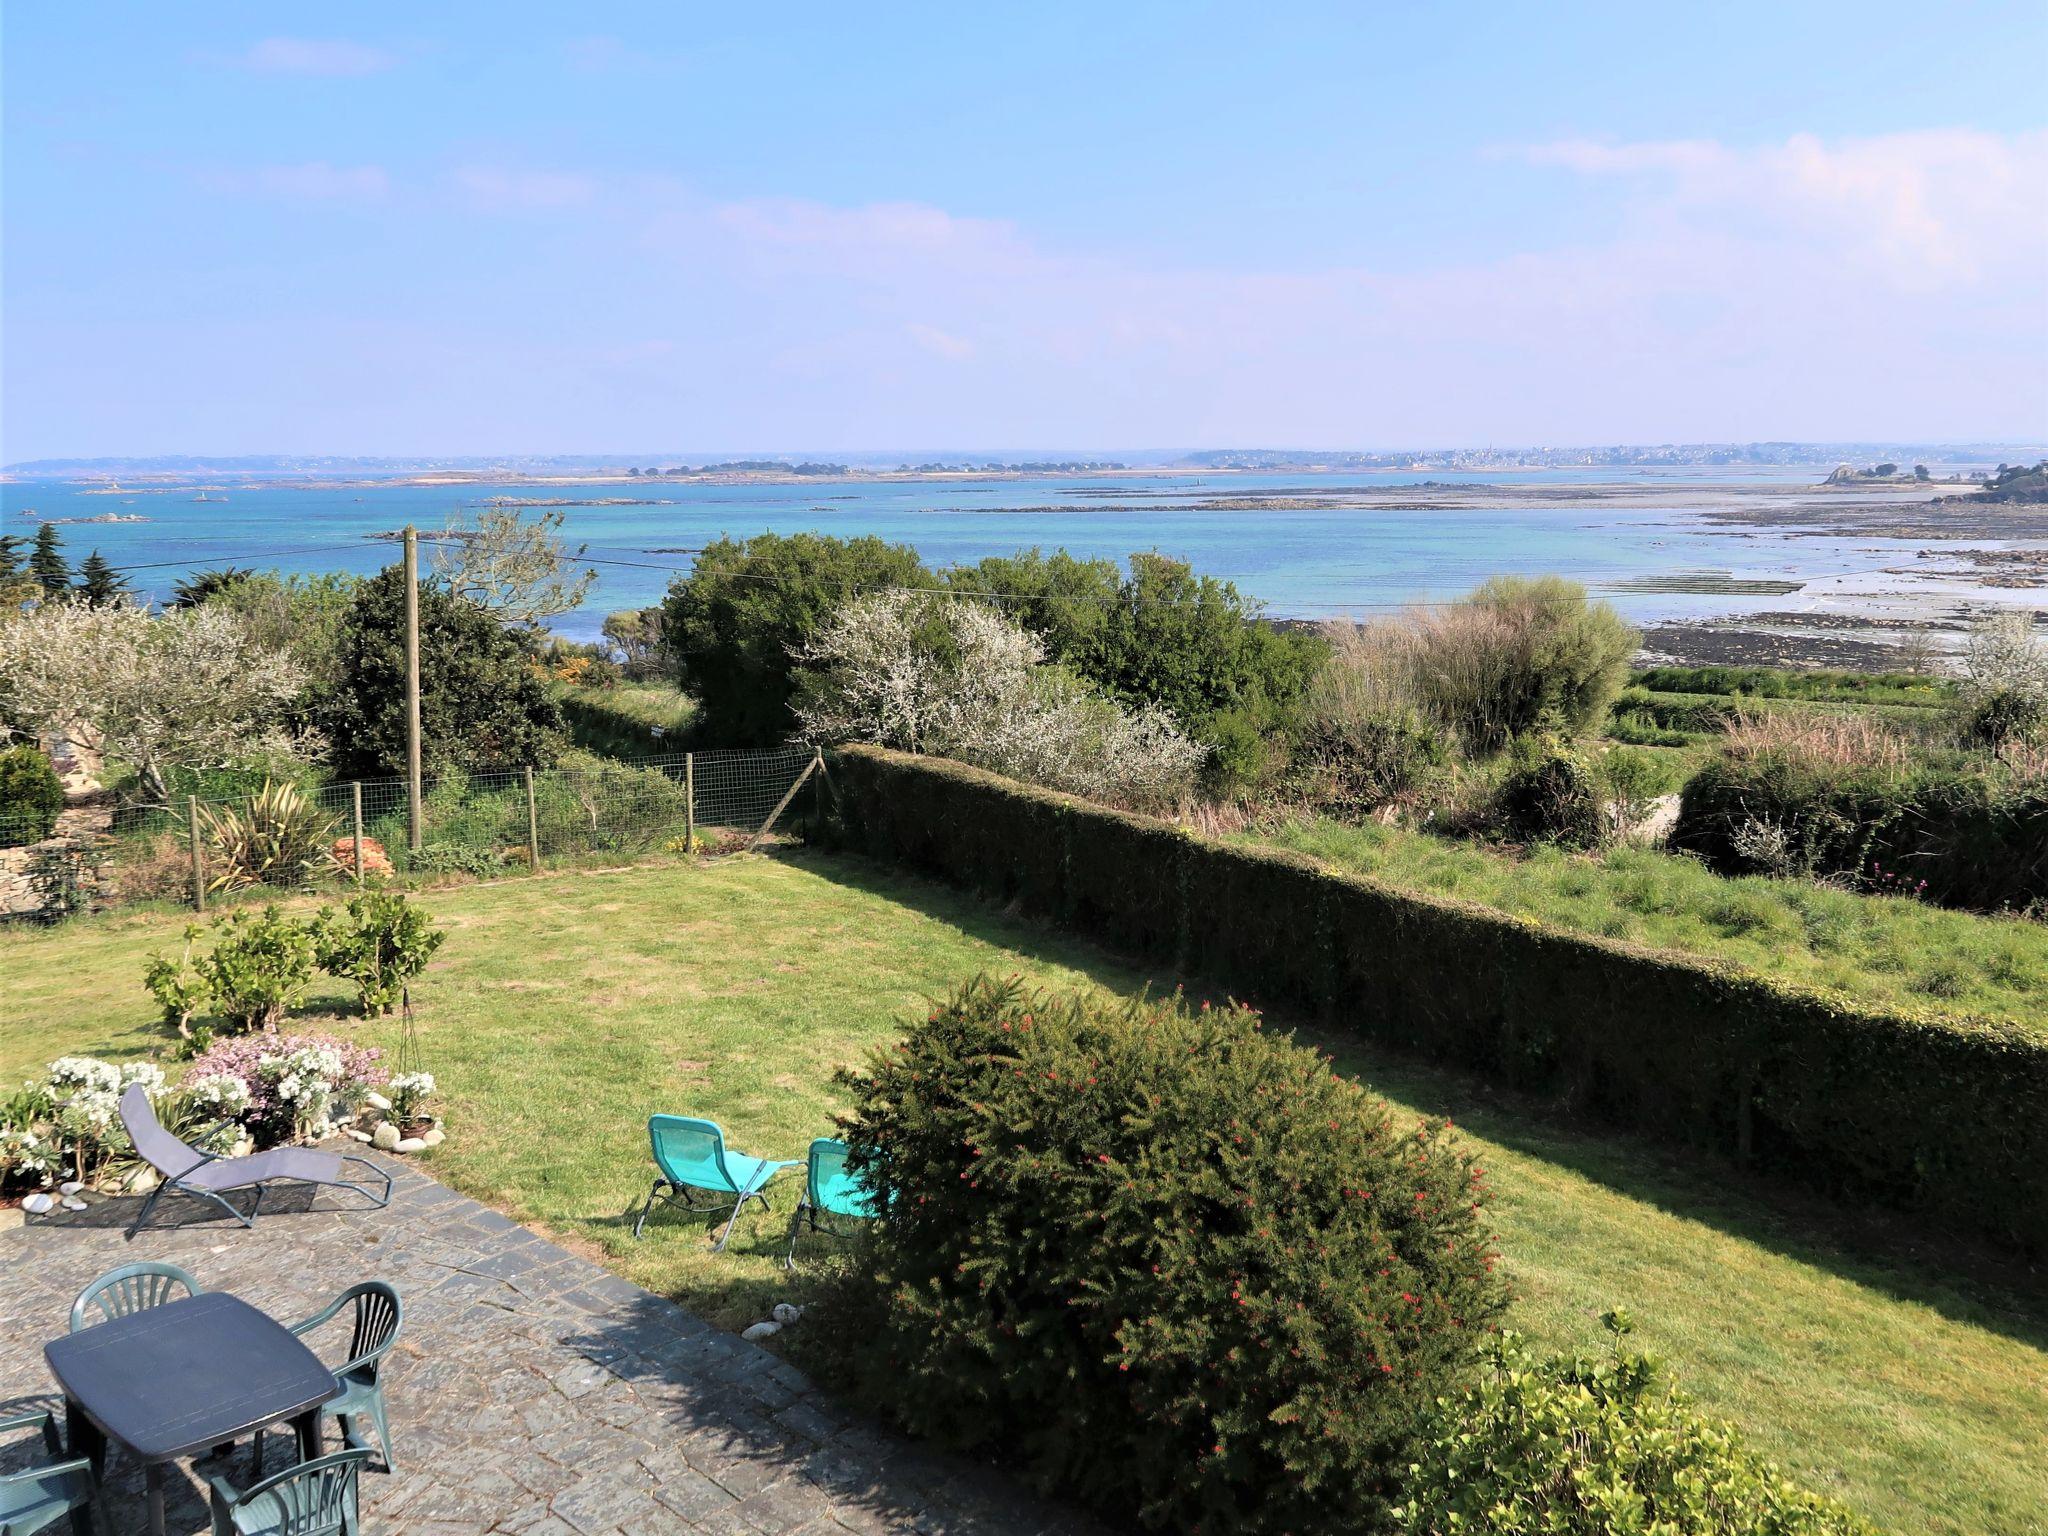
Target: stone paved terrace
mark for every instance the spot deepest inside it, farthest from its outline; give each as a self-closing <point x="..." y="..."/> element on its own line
<point x="531" y="1391"/>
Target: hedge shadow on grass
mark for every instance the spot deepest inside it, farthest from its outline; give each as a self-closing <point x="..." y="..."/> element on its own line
<point x="1872" y="1247"/>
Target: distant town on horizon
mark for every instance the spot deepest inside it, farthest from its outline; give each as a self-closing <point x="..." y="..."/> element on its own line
<point x="1053" y="461"/>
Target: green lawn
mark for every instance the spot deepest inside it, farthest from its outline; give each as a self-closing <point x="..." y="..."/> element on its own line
<point x="1890" y="950"/>
<point x="564" y="1009"/>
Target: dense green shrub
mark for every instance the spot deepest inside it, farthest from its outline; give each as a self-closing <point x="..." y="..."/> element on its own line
<point x="1575" y="1447"/>
<point x="1353" y="764"/>
<point x="732" y="628"/>
<point x="31" y="796"/>
<point x="379" y="941"/>
<point x="1160" y="634"/>
<point x="1964" y="837"/>
<point x="1913" y="1108"/>
<point x="1172" y="1263"/>
<point x="602" y="806"/>
<point x="256" y="973"/>
<point x="482" y="702"/>
<point x="1551" y="794"/>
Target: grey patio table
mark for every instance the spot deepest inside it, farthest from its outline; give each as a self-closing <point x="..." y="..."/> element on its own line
<point x="184" y="1377"/>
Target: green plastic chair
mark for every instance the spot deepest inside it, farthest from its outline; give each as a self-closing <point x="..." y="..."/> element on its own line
<point x="373" y="1330"/>
<point x="36" y="1498"/>
<point x="315" y="1498"/>
<point x="131" y="1288"/>
<point x="830" y="1189"/>
<point x="693" y="1159"/>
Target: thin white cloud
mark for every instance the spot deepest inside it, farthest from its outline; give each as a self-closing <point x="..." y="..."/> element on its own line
<point x="1932" y="208"/>
<point x="504" y="189"/>
<point x="313" y="181"/>
<point x="314" y="56"/>
<point x="939" y="343"/>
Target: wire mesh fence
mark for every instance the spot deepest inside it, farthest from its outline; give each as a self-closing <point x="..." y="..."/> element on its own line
<point x="476" y="823"/>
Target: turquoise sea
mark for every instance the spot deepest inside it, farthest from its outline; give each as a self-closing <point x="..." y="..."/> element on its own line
<point x="1326" y="561"/>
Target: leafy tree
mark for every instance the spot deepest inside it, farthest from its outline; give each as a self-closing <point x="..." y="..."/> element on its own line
<point x="203" y="586"/>
<point x="99" y="584"/>
<point x="48" y="565"/>
<point x="482" y="703"/>
<point x="17" y="584"/>
<point x="299" y="614"/>
<point x="634" y="634"/>
<point x="189" y="689"/>
<point x="518" y="569"/>
<point x="733" y="627"/>
<point x="1193" y="645"/>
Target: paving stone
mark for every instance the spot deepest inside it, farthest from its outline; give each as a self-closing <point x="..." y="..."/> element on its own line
<point x="532" y="1393"/>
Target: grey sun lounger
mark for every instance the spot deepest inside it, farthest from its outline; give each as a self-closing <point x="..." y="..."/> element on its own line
<point x="192" y="1172"/>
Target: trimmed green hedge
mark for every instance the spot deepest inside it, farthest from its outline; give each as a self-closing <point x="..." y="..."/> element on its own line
<point x="1937" y="1115"/>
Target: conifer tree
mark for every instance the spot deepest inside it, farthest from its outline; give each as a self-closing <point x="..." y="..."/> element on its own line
<point x="47" y="563"/>
<point x="99" y="584"/>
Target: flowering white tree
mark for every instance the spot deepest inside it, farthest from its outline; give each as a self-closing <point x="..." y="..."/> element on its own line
<point x="956" y="678"/>
<point x="189" y="688"/>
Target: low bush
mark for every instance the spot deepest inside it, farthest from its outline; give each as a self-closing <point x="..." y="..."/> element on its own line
<point x="1551" y="794"/>
<point x="1840" y="799"/>
<point x="31" y="796"/>
<point x="379" y="941"/>
<point x="1174" y="1264"/>
<point x="1575" y="1447"/>
<point x="259" y="967"/>
<point x="1890" y="1100"/>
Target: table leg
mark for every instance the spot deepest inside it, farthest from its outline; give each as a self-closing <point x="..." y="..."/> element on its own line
<point x="307" y="1427"/>
<point x="153" y="1476"/>
<point x="82" y="1437"/>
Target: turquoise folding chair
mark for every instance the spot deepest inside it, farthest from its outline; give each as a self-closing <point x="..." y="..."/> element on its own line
<point x="693" y="1159"/>
<point x="830" y="1189"/>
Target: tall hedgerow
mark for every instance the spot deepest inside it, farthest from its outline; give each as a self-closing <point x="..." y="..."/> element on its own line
<point x="1175" y="1265"/>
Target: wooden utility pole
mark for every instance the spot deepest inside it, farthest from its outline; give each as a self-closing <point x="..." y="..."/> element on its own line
<point x="198" y="857"/>
<point x="412" y="687"/>
<point x="356" y="799"/>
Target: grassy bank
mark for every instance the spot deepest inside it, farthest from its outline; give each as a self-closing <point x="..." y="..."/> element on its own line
<point x="1882" y="949"/>
<point x="565" y="1009"/>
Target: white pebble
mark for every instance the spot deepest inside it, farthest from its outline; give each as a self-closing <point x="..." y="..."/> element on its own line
<point x="73" y="1203"/>
<point x="411" y="1144"/>
<point x="762" y="1331"/>
<point x="787" y="1312"/>
<point x="37" y="1203"/>
<point x="69" y="1187"/>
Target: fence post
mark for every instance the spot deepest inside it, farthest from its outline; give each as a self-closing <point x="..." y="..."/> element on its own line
<point x="532" y="825"/>
<point x="689" y="802"/>
<point x="356" y="799"/>
<point x="415" y="815"/>
<point x="198" y="857"/>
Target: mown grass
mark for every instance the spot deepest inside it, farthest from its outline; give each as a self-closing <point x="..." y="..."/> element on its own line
<point x="565" y="1009"/>
<point x="1888" y="950"/>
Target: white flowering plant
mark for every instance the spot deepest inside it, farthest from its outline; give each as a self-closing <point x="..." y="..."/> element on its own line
<point x="27" y="1160"/>
<point x="84" y="1097"/>
<point x="409" y="1094"/>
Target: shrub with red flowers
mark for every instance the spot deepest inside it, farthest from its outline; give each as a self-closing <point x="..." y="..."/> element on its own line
<point x="1174" y="1264"/>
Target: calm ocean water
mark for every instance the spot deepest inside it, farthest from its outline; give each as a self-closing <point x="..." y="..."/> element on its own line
<point x="1313" y="563"/>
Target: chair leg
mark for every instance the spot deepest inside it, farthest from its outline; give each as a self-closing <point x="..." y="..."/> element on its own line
<point x="256" y="1457"/>
<point x="148" y="1205"/>
<point x="796" y="1223"/>
<point x="734" y="1219"/>
<point x="640" y="1224"/>
<point x="383" y="1430"/>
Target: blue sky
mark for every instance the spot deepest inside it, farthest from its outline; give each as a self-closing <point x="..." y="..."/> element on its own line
<point x="525" y="228"/>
